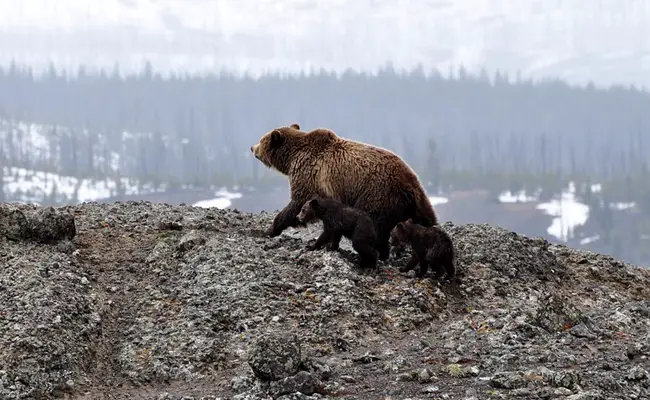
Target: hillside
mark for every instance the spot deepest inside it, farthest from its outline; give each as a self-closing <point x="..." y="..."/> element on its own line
<point x="573" y="40"/>
<point x="150" y="301"/>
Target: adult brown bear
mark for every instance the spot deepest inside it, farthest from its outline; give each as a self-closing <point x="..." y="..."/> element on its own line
<point x="321" y="163"/>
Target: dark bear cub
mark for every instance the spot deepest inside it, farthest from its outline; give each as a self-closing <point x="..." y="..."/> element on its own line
<point x="431" y="246"/>
<point x="340" y="220"/>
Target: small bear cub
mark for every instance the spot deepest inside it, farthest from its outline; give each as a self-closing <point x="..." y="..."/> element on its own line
<point x="340" y="220"/>
<point x="431" y="247"/>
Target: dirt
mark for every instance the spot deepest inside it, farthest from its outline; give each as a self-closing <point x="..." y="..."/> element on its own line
<point x="148" y="301"/>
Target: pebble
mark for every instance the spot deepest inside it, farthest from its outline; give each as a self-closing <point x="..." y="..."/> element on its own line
<point x="430" y="389"/>
<point x="424" y="376"/>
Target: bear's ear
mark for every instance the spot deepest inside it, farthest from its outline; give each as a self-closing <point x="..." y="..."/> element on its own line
<point x="295" y="126"/>
<point x="314" y="202"/>
<point x="276" y="139"/>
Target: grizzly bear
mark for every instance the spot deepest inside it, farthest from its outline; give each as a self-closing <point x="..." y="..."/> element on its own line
<point x="431" y="246"/>
<point x="340" y="220"/>
<point x="365" y="177"/>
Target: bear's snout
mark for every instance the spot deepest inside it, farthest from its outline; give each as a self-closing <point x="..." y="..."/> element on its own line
<point x="254" y="148"/>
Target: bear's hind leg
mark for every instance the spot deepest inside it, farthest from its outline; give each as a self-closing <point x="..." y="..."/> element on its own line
<point x="449" y="267"/>
<point x="443" y="264"/>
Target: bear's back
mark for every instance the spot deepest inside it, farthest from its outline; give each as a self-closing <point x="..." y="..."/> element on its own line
<point x="347" y="169"/>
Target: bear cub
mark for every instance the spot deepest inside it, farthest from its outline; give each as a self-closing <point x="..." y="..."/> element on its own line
<point x="431" y="247"/>
<point x="340" y="220"/>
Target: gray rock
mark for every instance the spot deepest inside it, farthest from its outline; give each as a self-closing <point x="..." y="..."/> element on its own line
<point x="407" y="376"/>
<point x="13" y="223"/>
<point x="424" y="376"/>
<point x="303" y="382"/>
<point x="42" y="225"/>
<point x="274" y="357"/>
<point x="48" y="225"/>
<point x="556" y="313"/>
<point x="566" y="379"/>
<point x="562" y="392"/>
<point x="241" y="383"/>
<point x="586" y="395"/>
<point x="321" y="369"/>
<point x="190" y="240"/>
<point x="637" y="373"/>
<point x="430" y="389"/>
<point x="507" y="380"/>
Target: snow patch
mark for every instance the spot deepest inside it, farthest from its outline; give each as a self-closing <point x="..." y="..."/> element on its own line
<point x="589" y="239"/>
<point x="30" y="138"/>
<point x="622" y="206"/>
<point x="568" y="213"/>
<point x="519" y="197"/>
<point x="36" y="186"/>
<point x="222" y="200"/>
<point x="435" y="200"/>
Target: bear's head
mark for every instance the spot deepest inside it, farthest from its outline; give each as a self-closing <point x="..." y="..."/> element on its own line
<point x="399" y="237"/>
<point x="283" y="147"/>
<point x="272" y="149"/>
<point x="308" y="211"/>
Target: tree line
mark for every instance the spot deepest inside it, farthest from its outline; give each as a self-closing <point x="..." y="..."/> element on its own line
<point x="460" y="132"/>
<point x="495" y="122"/>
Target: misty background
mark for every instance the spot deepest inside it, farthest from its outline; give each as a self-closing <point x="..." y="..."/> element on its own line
<point x="531" y="115"/>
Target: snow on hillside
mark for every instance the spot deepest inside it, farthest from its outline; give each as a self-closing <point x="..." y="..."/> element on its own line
<point x="567" y="212"/>
<point x="39" y="146"/>
<point x="576" y="40"/>
<point x="30" y="137"/>
<point x="30" y="186"/>
<point x="223" y="199"/>
<point x="36" y="142"/>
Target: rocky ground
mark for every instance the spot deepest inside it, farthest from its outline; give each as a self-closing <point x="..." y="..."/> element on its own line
<point x="148" y="301"/>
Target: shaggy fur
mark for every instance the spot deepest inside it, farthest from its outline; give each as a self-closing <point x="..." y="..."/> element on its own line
<point x="365" y="177"/>
<point x="338" y="221"/>
<point x="431" y="246"/>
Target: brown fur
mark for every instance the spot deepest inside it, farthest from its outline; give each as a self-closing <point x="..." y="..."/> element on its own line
<point x="431" y="246"/>
<point x="338" y="221"/>
<point x="369" y="178"/>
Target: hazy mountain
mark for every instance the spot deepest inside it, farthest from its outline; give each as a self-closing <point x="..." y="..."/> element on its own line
<point x="601" y="40"/>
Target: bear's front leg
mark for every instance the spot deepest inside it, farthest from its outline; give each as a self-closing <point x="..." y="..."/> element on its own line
<point x="411" y="264"/>
<point x="335" y="241"/>
<point x="286" y="218"/>
<point x="322" y="239"/>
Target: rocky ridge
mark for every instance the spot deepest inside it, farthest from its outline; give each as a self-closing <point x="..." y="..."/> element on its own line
<point x="149" y="301"/>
